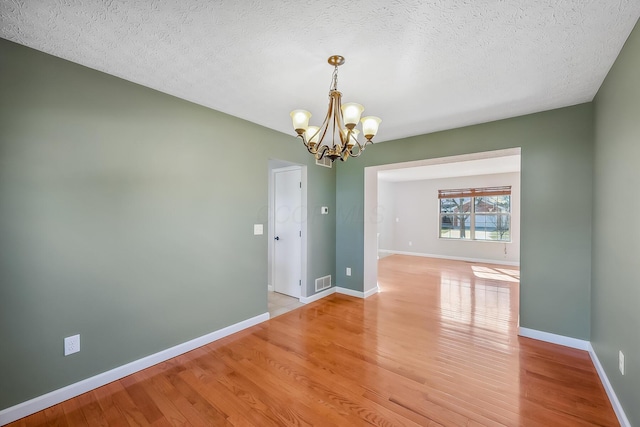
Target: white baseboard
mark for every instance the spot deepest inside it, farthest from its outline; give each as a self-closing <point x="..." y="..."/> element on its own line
<point x="372" y="291"/>
<point x="617" y="407"/>
<point x="350" y="292"/>
<point x="554" y="339"/>
<point x="317" y="296"/>
<point x="270" y="288"/>
<point x="582" y="345"/>
<point x="357" y="294"/>
<point x="454" y="258"/>
<point x="57" y="396"/>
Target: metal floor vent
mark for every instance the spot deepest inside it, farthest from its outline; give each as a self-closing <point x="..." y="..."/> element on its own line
<point x="323" y="283"/>
<point x="325" y="161"/>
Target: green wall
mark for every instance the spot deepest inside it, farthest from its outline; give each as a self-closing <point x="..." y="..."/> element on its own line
<point x="615" y="316"/>
<point x="556" y="198"/>
<point x="126" y="215"/>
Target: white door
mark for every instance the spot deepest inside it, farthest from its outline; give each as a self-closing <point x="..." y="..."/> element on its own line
<point x="287" y="231"/>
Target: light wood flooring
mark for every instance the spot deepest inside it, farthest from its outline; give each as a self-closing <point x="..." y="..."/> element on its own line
<point x="438" y="346"/>
<point x="278" y="303"/>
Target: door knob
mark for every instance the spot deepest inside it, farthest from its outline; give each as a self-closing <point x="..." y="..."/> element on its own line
<point x="277" y="238"/>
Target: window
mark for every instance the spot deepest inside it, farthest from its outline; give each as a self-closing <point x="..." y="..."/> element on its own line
<point x="476" y="214"/>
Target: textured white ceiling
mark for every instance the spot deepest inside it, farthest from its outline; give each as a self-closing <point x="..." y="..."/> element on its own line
<point x="421" y="65"/>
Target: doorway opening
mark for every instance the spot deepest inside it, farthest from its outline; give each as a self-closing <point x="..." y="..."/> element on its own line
<point x="287" y="236"/>
<point x="403" y="210"/>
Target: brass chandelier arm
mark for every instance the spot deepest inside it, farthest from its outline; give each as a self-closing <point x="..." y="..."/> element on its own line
<point x="333" y="120"/>
<point x="338" y="117"/>
<point x="361" y="148"/>
<point x="318" y="152"/>
<point x="310" y="148"/>
<point x="322" y="153"/>
<point x="349" y="152"/>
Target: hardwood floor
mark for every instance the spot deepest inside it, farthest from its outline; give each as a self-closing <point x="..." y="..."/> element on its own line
<point x="438" y="346"/>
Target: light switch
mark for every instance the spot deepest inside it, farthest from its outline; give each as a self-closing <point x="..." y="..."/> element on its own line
<point x="324" y="210"/>
<point x="258" y="229"/>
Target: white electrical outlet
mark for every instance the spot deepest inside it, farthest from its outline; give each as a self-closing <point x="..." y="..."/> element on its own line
<point x="621" y="362"/>
<point x="71" y="345"/>
<point x="348" y="271"/>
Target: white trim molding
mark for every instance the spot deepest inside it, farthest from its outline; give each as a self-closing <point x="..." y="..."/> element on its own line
<point x="455" y="258"/>
<point x="582" y="345"/>
<point x="554" y="338"/>
<point x="617" y="407"/>
<point x="39" y="403"/>
<point x="339" y="290"/>
<point x="357" y="294"/>
<point x="371" y="291"/>
<point x="317" y="296"/>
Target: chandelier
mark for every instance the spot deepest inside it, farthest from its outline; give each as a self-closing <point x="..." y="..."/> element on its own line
<point x="342" y="119"/>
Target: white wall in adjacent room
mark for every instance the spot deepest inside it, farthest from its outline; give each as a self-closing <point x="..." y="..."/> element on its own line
<point x="408" y="219"/>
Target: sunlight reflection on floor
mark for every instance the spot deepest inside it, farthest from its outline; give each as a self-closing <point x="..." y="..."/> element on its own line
<point x="482" y="300"/>
<point x="496" y="273"/>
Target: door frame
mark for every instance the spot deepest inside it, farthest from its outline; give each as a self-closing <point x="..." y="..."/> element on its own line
<point x="282" y="165"/>
<point x="370" y="255"/>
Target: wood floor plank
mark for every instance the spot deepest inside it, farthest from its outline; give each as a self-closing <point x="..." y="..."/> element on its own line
<point x="331" y="409"/>
<point x="55" y="416"/>
<point x="188" y="385"/>
<point x="73" y="414"/>
<point x="274" y="384"/>
<point x="107" y="408"/>
<point x="223" y="401"/>
<point x="438" y="346"/>
<point x="292" y="408"/>
<point x="188" y="411"/>
<point x="91" y="410"/>
<point x="137" y="388"/>
<point x="165" y="405"/>
<point x="122" y="400"/>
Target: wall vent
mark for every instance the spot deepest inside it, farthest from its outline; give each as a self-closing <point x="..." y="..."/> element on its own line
<point x="323" y="283"/>
<point x="325" y="161"/>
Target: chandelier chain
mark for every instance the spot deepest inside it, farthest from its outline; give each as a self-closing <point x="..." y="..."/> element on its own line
<point x="334" y="79"/>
